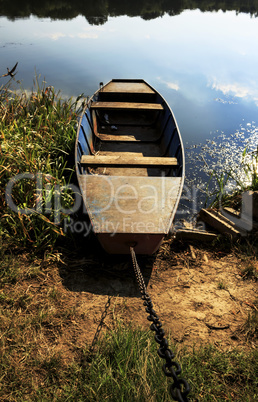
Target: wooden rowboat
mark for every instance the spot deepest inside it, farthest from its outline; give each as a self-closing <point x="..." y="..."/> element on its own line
<point x="129" y="162"/>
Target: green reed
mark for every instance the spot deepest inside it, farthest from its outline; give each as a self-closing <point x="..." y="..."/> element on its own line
<point x="37" y="136"/>
<point x="248" y="180"/>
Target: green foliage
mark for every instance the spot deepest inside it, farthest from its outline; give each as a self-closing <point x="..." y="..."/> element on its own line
<point x="222" y="285"/>
<point x="248" y="181"/>
<point x="250" y="272"/>
<point x="218" y="375"/>
<point x="126" y="367"/>
<point x="250" y="327"/>
<point x="218" y="194"/>
<point x="37" y="137"/>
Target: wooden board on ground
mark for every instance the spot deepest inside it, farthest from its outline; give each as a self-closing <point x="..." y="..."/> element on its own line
<point x="195" y="235"/>
<point x="217" y="221"/>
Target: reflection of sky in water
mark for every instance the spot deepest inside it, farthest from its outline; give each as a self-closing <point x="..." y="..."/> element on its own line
<point x="204" y="64"/>
<point x="193" y="57"/>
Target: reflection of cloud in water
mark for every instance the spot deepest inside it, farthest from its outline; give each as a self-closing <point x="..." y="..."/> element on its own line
<point x="236" y="89"/>
<point x="169" y="84"/>
<point x="85" y="36"/>
<point x="225" y="101"/>
<point x="86" y="33"/>
<point x="82" y="35"/>
<point x="173" y="85"/>
<point x="56" y="35"/>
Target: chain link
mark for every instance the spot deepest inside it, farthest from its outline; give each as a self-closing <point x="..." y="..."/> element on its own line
<point x="180" y="387"/>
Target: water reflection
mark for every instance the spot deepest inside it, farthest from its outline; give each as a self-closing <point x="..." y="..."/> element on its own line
<point x="209" y="80"/>
<point x="224" y="162"/>
<point x="97" y="11"/>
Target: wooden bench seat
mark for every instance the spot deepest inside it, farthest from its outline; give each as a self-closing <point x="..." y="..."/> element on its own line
<point x="125" y="106"/>
<point x="122" y="138"/>
<point x="128" y="160"/>
<point x="129" y="134"/>
<point x="127" y="87"/>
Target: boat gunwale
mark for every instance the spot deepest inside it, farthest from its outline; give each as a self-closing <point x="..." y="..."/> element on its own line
<point x="170" y="112"/>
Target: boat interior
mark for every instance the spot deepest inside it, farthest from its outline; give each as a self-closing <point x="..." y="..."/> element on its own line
<point x="128" y="130"/>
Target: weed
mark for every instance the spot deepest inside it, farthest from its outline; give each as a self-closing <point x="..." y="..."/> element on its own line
<point x="222" y="285"/>
<point x="250" y="272"/>
<point x="250" y="328"/>
<point x="9" y="269"/>
<point x="38" y="135"/>
<point x="247" y="180"/>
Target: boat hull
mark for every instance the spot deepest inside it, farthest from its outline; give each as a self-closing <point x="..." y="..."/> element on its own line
<point x="120" y="243"/>
<point x="129" y="161"/>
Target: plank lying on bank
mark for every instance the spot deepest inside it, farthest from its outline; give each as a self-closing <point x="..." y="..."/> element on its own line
<point x="219" y="222"/>
<point x="195" y="235"/>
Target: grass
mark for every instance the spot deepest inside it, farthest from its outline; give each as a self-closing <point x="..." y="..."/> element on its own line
<point x="37" y="135"/>
<point x="250" y="272"/>
<point x="126" y="367"/>
<point x="222" y="285"/>
<point x="42" y="359"/>
<point x="248" y="181"/>
<point x="250" y="326"/>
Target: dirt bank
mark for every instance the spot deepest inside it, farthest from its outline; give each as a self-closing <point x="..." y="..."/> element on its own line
<point x="200" y="294"/>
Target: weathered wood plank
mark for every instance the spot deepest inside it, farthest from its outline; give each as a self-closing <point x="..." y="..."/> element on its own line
<point x="195" y="235"/>
<point x="126" y="106"/>
<point x="244" y="220"/>
<point x="223" y="225"/>
<point x="253" y="196"/>
<point x="130" y="204"/>
<point x="123" y="138"/>
<point x="125" y="133"/>
<point x="130" y="150"/>
<point x="128" y="87"/>
<point x="126" y="160"/>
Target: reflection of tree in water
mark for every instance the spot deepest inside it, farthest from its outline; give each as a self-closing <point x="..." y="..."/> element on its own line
<point x="97" y="20"/>
<point x="98" y="11"/>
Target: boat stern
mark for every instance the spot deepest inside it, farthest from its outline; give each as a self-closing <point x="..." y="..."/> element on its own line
<point x="120" y="243"/>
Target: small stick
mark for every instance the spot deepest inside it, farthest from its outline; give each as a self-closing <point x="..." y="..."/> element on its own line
<point x="251" y="305"/>
<point x="215" y="327"/>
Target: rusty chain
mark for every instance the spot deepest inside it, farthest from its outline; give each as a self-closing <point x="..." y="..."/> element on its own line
<point x="180" y="387"/>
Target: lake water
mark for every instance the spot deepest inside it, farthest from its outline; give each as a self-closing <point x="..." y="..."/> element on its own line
<point x="205" y="64"/>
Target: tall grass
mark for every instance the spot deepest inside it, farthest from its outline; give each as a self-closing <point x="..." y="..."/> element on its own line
<point x="247" y="180"/>
<point x="37" y="136"/>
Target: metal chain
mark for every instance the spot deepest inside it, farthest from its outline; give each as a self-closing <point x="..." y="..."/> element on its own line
<point x="104" y="314"/>
<point x="180" y="388"/>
